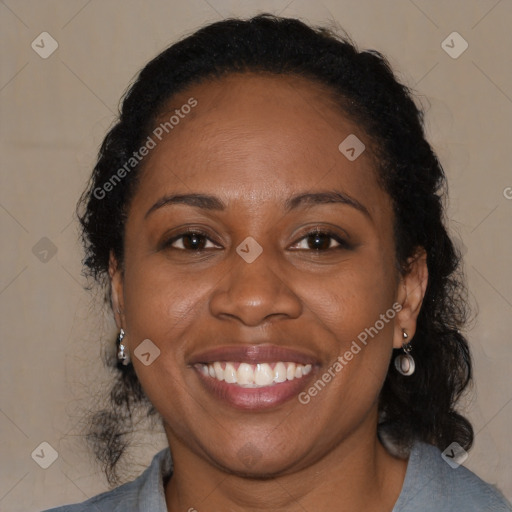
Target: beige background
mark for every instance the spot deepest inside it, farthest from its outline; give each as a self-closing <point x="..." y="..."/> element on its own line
<point x="54" y="113"/>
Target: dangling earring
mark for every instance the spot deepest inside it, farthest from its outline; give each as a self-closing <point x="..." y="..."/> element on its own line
<point x="404" y="363"/>
<point x="122" y="352"/>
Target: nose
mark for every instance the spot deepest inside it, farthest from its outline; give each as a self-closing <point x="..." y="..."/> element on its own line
<point x="252" y="293"/>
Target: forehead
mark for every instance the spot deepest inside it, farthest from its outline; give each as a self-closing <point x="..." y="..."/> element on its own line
<point x="257" y="137"/>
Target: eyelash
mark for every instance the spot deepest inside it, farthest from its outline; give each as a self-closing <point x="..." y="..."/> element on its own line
<point x="343" y="244"/>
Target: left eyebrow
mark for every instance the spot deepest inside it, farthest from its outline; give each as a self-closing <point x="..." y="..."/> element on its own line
<point x="209" y="202"/>
<point x="334" y="196"/>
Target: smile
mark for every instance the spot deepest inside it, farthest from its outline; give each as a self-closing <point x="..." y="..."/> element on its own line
<point x="257" y="375"/>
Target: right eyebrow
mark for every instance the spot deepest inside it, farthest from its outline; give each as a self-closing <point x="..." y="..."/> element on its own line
<point x="204" y="201"/>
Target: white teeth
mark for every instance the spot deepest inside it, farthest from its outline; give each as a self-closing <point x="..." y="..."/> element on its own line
<point x="219" y="372"/>
<point x="280" y="372"/>
<point x="264" y="375"/>
<point x="255" y="375"/>
<point x="245" y="374"/>
<point x="230" y="373"/>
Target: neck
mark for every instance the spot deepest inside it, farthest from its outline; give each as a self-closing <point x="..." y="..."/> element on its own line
<point x="358" y="474"/>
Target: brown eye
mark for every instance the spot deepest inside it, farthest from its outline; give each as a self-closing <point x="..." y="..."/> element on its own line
<point x="190" y="241"/>
<point x="321" y="241"/>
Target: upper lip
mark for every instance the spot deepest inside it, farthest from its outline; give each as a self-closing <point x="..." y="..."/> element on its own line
<point x="252" y="354"/>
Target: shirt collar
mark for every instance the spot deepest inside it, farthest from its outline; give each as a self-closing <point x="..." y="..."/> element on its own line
<point x="148" y="489"/>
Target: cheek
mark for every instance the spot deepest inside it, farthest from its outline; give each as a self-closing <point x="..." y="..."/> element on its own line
<point x="164" y="307"/>
<point x="158" y="302"/>
<point x="355" y="307"/>
<point x="352" y="299"/>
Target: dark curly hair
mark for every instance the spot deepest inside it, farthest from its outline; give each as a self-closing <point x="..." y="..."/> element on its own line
<point x="419" y="407"/>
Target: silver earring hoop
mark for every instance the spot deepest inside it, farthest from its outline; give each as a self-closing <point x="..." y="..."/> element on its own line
<point x="122" y="352"/>
<point x="404" y="363"/>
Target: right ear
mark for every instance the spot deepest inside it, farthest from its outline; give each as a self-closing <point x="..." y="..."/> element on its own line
<point x="116" y="290"/>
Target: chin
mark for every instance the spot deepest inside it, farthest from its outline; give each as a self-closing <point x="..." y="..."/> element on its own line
<point x="249" y="462"/>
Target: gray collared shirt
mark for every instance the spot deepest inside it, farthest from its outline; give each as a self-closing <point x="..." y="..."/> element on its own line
<point x="430" y="485"/>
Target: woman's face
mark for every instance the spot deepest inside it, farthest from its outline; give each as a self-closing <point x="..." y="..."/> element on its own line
<point x="273" y="307"/>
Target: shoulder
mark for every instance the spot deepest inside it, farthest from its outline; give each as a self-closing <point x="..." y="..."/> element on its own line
<point x="105" y="501"/>
<point x="144" y="493"/>
<point x="431" y="483"/>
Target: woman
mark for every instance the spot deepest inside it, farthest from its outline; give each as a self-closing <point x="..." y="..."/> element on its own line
<point x="268" y="215"/>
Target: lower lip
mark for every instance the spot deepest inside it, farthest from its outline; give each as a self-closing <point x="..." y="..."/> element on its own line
<point x="254" y="398"/>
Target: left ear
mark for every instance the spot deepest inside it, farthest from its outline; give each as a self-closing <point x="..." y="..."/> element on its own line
<point x="411" y="292"/>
